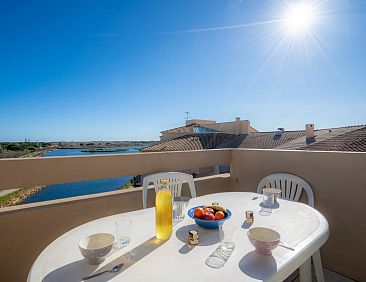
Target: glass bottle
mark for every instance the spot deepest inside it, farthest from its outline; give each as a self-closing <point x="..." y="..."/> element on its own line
<point x="164" y="211"/>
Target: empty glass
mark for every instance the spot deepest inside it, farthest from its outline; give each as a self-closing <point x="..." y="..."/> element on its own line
<point x="270" y="196"/>
<point x="180" y="205"/>
<point x="227" y="236"/>
<point x="123" y="232"/>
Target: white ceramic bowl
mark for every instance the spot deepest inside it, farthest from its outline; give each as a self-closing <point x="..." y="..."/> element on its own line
<point x="265" y="240"/>
<point x="95" y="247"/>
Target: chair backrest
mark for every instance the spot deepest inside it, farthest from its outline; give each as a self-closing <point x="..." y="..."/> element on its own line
<point x="291" y="186"/>
<point x="175" y="181"/>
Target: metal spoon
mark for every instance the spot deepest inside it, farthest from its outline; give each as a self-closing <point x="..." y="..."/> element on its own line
<point x="113" y="270"/>
<point x="285" y="246"/>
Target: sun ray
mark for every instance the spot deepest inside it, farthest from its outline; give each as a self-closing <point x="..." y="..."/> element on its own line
<point x="264" y="38"/>
<point x="282" y="63"/>
<point x="279" y="71"/>
<point x="315" y="40"/>
<point x="335" y="29"/>
<point x="259" y="72"/>
<point x="228" y="27"/>
<point x="308" y="59"/>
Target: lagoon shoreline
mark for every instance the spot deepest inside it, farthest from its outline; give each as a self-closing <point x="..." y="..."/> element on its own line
<point x="18" y="197"/>
<point x="58" y="191"/>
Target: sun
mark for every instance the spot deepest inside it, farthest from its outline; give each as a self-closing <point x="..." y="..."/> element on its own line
<point x="299" y="17"/>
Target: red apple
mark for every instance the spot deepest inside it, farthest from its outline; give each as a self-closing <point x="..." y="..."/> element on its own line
<point x="209" y="210"/>
<point x="208" y="216"/>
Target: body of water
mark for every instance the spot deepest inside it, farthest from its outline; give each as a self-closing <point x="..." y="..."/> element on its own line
<point x="59" y="191"/>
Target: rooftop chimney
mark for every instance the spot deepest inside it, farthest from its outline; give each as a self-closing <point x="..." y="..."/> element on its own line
<point x="279" y="131"/>
<point x="309" y="130"/>
<point x="237" y="125"/>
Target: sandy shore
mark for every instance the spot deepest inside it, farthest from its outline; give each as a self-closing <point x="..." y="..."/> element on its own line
<point x="8" y="191"/>
<point x="17" y="197"/>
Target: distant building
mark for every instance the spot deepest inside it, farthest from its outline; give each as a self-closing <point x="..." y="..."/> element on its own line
<point x="198" y="136"/>
<point x="198" y="126"/>
<point x="202" y="134"/>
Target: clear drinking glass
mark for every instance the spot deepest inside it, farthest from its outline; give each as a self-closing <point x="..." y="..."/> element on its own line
<point x="180" y="205"/>
<point x="268" y="199"/>
<point x="227" y="236"/>
<point x="270" y="196"/>
<point x="123" y="232"/>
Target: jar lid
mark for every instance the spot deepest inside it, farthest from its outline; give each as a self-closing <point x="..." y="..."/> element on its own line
<point x="271" y="191"/>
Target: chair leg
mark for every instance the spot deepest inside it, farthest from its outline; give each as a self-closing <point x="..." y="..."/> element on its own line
<point x="144" y="198"/>
<point x="318" y="266"/>
<point x="305" y="271"/>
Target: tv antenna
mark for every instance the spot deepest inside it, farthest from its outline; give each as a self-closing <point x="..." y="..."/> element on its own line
<point x="187" y="115"/>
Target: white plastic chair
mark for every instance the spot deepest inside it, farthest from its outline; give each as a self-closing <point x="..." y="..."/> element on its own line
<point x="291" y="188"/>
<point x="175" y="181"/>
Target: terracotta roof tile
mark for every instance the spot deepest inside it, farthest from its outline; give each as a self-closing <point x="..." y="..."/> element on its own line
<point x="192" y="142"/>
<point x="353" y="141"/>
<point x="269" y="140"/>
<point x="351" y="138"/>
<point x="320" y="135"/>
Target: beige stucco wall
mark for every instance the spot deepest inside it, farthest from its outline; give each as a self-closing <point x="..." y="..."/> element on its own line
<point x="338" y="181"/>
<point x="252" y="129"/>
<point x="199" y="121"/>
<point x="15" y="173"/>
<point x="230" y="127"/>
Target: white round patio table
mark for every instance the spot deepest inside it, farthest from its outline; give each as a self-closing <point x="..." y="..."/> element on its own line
<point x="149" y="259"/>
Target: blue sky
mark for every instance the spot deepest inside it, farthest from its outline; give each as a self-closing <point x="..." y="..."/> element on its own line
<point x="126" y="70"/>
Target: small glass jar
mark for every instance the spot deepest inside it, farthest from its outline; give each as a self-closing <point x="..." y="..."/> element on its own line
<point x="270" y="196"/>
<point x="249" y="216"/>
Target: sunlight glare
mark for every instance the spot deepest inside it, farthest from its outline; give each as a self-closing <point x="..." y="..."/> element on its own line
<point x="299" y="17"/>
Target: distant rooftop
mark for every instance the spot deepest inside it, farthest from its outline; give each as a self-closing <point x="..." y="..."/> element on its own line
<point x="319" y="136"/>
<point x="351" y="141"/>
<point x="350" y="138"/>
<point x="200" y="126"/>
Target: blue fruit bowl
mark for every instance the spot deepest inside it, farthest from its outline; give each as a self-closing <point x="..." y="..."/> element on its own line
<point x="208" y="224"/>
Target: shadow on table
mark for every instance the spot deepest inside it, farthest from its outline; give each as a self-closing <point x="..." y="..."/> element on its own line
<point x="275" y="206"/>
<point x="246" y="225"/>
<point x="207" y="237"/>
<point x="219" y="257"/>
<point x="77" y="270"/>
<point x="70" y="272"/>
<point x="258" y="266"/>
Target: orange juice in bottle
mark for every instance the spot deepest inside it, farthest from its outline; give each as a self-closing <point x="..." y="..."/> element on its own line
<point x="164" y="211"/>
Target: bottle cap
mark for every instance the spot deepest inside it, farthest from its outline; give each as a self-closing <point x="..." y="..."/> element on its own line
<point x="164" y="181"/>
<point x="193" y="233"/>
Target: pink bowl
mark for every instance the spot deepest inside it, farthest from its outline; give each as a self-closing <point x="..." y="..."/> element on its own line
<point x="265" y="240"/>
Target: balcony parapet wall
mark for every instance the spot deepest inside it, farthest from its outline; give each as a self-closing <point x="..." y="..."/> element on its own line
<point x="337" y="179"/>
<point x="15" y="173"/>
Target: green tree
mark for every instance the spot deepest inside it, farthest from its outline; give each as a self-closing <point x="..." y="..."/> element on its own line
<point x="14" y="147"/>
